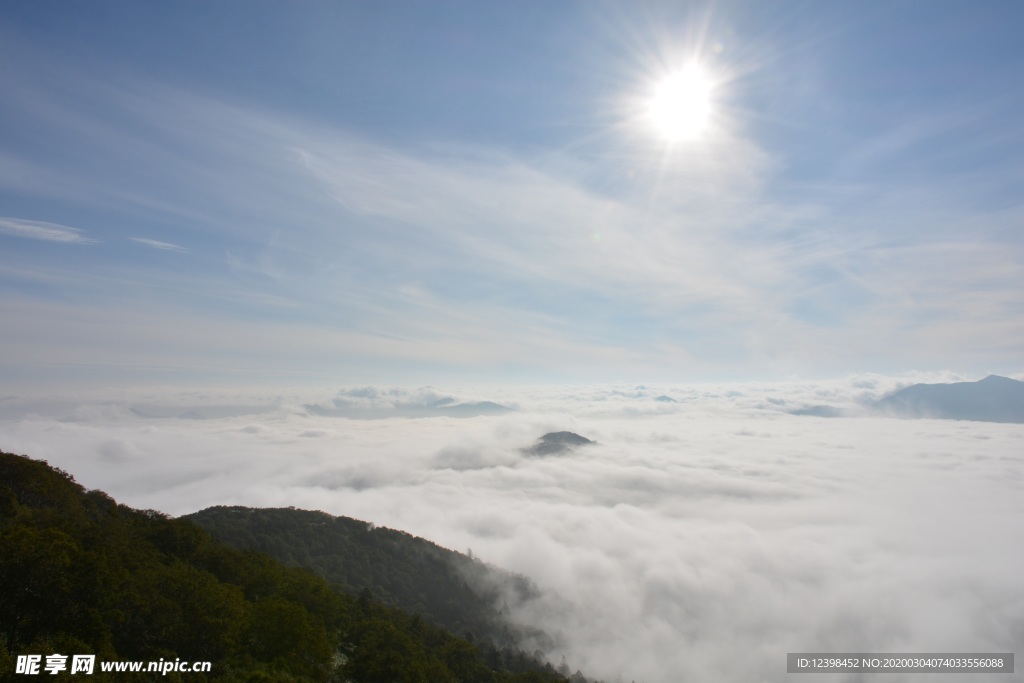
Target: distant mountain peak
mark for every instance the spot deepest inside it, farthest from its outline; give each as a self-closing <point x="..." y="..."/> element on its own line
<point x="993" y="399"/>
<point x="998" y="379"/>
<point x="554" y="443"/>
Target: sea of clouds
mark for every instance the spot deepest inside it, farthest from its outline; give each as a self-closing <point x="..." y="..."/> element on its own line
<point x="702" y="539"/>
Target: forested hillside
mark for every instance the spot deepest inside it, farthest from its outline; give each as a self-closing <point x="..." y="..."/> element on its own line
<point x="80" y="574"/>
<point x="448" y="588"/>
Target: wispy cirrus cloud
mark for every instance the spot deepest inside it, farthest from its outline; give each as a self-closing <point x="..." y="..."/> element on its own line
<point x="157" y="244"/>
<point x="41" y="230"/>
<point x="713" y="262"/>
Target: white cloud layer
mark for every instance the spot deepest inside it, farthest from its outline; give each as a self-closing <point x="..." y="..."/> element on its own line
<point x="701" y="540"/>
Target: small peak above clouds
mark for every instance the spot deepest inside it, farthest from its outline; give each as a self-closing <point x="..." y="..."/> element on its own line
<point x="556" y="443"/>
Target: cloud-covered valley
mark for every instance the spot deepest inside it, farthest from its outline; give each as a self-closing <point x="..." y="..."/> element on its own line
<point x="701" y="538"/>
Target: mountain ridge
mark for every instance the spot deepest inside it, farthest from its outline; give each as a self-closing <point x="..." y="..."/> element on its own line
<point x="992" y="399"/>
<point x="81" y="573"/>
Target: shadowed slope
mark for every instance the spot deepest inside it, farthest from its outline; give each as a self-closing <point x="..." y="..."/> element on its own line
<point x="450" y="589"/>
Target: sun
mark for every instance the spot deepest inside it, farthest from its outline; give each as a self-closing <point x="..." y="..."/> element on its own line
<point x="680" y="107"/>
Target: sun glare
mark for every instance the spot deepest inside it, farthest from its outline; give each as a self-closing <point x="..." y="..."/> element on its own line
<point x="681" y="104"/>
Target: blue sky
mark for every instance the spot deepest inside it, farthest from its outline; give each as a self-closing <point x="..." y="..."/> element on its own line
<point x="318" y="192"/>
